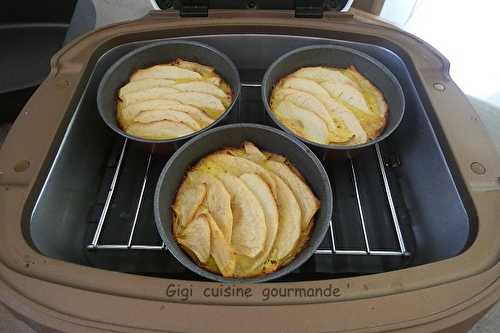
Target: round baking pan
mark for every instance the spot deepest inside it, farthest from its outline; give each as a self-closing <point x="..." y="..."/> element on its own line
<point x="161" y="53"/>
<point x="266" y="138"/>
<point x="342" y="57"/>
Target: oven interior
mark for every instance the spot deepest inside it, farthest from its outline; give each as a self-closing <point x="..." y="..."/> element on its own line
<point x="397" y="205"/>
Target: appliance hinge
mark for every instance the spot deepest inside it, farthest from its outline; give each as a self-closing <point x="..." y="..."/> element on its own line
<point x="309" y="8"/>
<point x="194" y="8"/>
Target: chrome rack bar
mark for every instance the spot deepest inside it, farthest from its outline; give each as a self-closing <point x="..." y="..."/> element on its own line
<point x="250" y="85"/>
<point x="139" y="203"/>
<point x="360" y="209"/>
<point x="395" y="219"/>
<point x="147" y="247"/>
<point x="126" y="247"/>
<point x="102" y="218"/>
<point x="332" y="236"/>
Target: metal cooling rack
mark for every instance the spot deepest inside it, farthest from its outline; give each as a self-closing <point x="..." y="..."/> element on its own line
<point x="334" y="250"/>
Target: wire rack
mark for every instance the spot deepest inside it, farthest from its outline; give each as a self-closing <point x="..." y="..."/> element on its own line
<point x="367" y="249"/>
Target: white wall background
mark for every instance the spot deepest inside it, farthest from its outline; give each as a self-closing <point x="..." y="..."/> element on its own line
<point x="466" y="32"/>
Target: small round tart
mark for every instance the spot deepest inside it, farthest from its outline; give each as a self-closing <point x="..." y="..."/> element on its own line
<point x="243" y="212"/>
<point x="330" y="105"/>
<point x="171" y="100"/>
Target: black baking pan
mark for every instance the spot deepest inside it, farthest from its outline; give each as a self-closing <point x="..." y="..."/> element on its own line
<point x="161" y="53"/>
<point x="341" y="57"/>
<point x="266" y="138"/>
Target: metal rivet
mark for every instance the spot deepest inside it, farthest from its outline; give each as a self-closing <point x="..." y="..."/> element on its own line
<point x="478" y="168"/>
<point x="439" y="86"/>
<point x="22" y="166"/>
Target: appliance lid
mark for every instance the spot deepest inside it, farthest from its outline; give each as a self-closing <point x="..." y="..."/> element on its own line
<point x="302" y="8"/>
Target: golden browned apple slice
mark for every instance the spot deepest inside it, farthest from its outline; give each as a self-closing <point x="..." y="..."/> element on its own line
<point x="217" y="200"/>
<point x="341" y="133"/>
<point x="246" y="266"/>
<point x="353" y="124"/>
<point x="148" y="94"/>
<point x="169" y="72"/>
<point x="320" y="74"/>
<point x="289" y="224"/>
<point x="253" y="152"/>
<point x="187" y="201"/>
<point x="195" y="113"/>
<point x="372" y="95"/>
<point x="201" y="87"/>
<point x="159" y="130"/>
<point x="347" y="93"/>
<point x="372" y="123"/>
<point x="347" y="124"/>
<point x="215" y="80"/>
<point x="202" y="69"/>
<point x="162" y="104"/>
<point x="196" y="238"/>
<point x="220" y="250"/>
<point x="249" y="226"/>
<point x="348" y="98"/>
<point x="131" y="111"/>
<point x="238" y="165"/>
<point x="208" y="103"/>
<point x="145" y="84"/>
<point x="176" y="116"/>
<point x="248" y="151"/>
<point x="314" y="129"/>
<point x="306" y="101"/>
<point x="308" y="202"/>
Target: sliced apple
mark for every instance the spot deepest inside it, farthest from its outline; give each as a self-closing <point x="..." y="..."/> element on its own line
<point x="239" y="165"/>
<point x="196" y="238"/>
<point x="373" y="96"/>
<point x="148" y="94"/>
<point x="340" y="133"/>
<point x="145" y="84"/>
<point x="220" y="249"/>
<point x="253" y="152"/>
<point x="169" y="72"/>
<point x="208" y="103"/>
<point x="346" y="97"/>
<point x="289" y="225"/>
<point x="306" y="199"/>
<point x="202" y="69"/>
<point x="217" y="200"/>
<point x="305" y="85"/>
<point x="353" y="124"/>
<point x="215" y="80"/>
<point x="246" y="266"/>
<point x="249" y="226"/>
<point x="306" y="101"/>
<point x="127" y="113"/>
<point x="159" y="130"/>
<point x="314" y="128"/>
<point x="201" y="87"/>
<point x="320" y="74"/>
<point x="187" y="202"/>
<point x="176" y="116"/>
<point x="372" y="123"/>
<point x="347" y="93"/>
